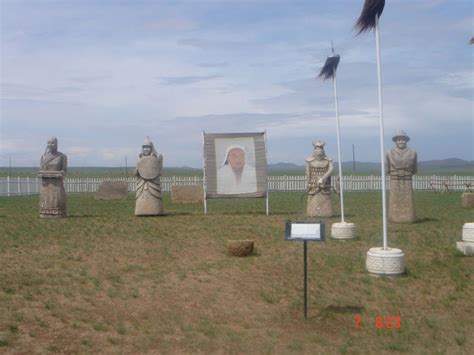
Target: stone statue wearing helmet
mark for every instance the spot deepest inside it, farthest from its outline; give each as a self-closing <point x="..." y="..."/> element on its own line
<point x="401" y="166"/>
<point x="149" y="198"/>
<point x="318" y="182"/>
<point x="53" y="167"/>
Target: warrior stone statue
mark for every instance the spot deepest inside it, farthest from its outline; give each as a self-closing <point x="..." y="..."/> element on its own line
<point x="149" y="199"/>
<point x="318" y="178"/>
<point x="401" y="165"/>
<point x="53" y="168"/>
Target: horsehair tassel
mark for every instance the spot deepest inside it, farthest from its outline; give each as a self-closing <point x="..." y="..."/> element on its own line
<point x="366" y="20"/>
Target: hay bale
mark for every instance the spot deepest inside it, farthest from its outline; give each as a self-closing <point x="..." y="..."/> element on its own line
<point x="468" y="199"/>
<point x="240" y="247"/>
<point x="187" y="194"/>
<point x="112" y="190"/>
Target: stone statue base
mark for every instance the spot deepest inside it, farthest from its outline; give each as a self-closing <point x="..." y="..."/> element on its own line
<point x="401" y="202"/>
<point x="385" y="262"/>
<point x="467" y="245"/>
<point x="52" y="198"/>
<point x="319" y="205"/>
<point x="343" y="230"/>
<point x="148" y="205"/>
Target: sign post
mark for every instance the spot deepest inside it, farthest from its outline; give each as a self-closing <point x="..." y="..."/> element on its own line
<point x="305" y="231"/>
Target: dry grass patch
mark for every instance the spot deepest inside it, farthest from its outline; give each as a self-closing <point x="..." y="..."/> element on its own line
<point x="103" y="280"/>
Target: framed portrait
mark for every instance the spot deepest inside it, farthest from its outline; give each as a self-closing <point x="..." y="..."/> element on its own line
<point x="235" y="165"/>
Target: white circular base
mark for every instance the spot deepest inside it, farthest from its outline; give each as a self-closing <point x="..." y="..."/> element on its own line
<point x="390" y="261"/>
<point x="468" y="232"/>
<point x="467" y="248"/>
<point x="343" y="230"/>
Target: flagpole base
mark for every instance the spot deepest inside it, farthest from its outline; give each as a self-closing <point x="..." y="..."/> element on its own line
<point x="343" y="230"/>
<point x="467" y="245"/>
<point x="385" y="262"/>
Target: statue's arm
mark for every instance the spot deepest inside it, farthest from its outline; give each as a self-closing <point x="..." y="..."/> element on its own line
<point x="325" y="177"/>
<point x="64" y="165"/>
<point x="160" y="162"/>
<point x="387" y="164"/>
<point x="415" y="164"/>
<point x="307" y="175"/>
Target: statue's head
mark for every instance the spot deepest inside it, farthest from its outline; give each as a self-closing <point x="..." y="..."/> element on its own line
<point x="318" y="149"/>
<point x="401" y="139"/>
<point x="52" y="145"/>
<point x="147" y="147"/>
<point x="235" y="157"/>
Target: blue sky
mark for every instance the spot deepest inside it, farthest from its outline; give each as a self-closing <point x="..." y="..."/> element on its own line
<point x="102" y="75"/>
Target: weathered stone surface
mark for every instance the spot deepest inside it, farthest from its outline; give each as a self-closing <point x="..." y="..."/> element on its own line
<point x="187" y="194"/>
<point x="319" y="205"/>
<point x="468" y="232"/>
<point x="467" y="248"/>
<point x="401" y="207"/>
<point x="343" y="230"/>
<point x="389" y="262"/>
<point x="468" y="199"/>
<point x="112" y="190"/>
<point x="53" y="167"/>
<point x="318" y="182"/>
<point x="149" y="197"/>
<point x="240" y="247"/>
<point x="402" y="163"/>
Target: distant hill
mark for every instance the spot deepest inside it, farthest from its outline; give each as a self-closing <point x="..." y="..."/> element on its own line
<point x="451" y="166"/>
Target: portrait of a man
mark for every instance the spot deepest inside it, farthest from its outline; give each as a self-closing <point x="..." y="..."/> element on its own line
<point x="235" y="165"/>
<point x="236" y="176"/>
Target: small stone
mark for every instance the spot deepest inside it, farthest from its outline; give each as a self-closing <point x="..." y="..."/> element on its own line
<point x="240" y="247"/>
<point x="112" y="190"/>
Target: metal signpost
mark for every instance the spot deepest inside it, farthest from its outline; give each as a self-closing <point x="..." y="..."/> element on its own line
<point x="305" y="231"/>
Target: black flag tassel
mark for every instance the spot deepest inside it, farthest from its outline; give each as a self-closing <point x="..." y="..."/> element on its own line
<point x="329" y="69"/>
<point x="366" y="20"/>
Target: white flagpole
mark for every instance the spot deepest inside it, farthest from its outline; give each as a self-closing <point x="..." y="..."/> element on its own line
<point x="338" y="148"/>
<point x="382" y="157"/>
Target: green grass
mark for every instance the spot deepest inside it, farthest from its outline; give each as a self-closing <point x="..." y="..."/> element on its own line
<point x="103" y="280"/>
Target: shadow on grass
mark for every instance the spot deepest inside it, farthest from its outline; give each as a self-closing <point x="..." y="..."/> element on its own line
<point x="83" y="215"/>
<point x="426" y="219"/>
<point x="344" y="309"/>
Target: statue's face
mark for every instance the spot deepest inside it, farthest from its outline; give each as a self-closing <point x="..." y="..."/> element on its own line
<point x="236" y="158"/>
<point x="52" y="146"/>
<point x="146" y="150"/>
<point x="319" y="152"/>
<point x="401" y="143"/>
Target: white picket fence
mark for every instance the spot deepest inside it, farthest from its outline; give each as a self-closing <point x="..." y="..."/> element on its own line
<point x="15" y="186"/>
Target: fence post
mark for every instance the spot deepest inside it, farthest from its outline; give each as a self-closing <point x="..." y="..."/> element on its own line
<point x="28" y="185"/>
<point x="18" y="189"/>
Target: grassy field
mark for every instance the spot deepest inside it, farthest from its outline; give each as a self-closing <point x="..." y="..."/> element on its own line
<point x="103" y="280"/>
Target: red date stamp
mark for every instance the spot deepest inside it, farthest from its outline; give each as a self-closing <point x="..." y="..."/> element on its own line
<point x="381" y="322"/>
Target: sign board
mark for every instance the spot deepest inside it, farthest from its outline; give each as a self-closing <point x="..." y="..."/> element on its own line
<point x="304" y="231"/>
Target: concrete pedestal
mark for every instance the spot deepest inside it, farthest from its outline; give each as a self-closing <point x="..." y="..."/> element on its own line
<point x="467" y="245"/>
<point x="343" y="230"/>
<point x="388" y="262"/>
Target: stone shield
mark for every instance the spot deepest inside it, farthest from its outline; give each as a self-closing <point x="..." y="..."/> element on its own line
<point x="148" y="167"/>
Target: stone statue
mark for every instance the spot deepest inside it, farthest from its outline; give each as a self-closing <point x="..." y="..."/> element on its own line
<point x="318" y="179"/>
<point x="401" y="165"/>
<point x="149" y="198"/>
<point x="53" y="168"/>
